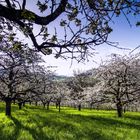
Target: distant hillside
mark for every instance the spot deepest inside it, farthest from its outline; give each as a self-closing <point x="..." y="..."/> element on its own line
<point x="61" y="77"/>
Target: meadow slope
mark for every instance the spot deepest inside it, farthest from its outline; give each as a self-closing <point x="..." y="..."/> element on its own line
<point x="36" y="123"/>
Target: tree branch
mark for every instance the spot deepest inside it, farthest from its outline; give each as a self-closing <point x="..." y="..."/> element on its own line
<point x="23" y="4"/>
<point x="8" y="3"/>
<point x="16" y="15"/>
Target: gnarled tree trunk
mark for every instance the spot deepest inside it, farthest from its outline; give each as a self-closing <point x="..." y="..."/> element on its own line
<point x="90" y="106"/>
<point x="119" y="109"/>
<point x="44" y="104"/>
<point x="23" y="103"/>
<point x="59" y="105"/>
<point x="30" y="102"/>
<point x="48" y="105"/>
<point x="14" y="101"/>
<point x="36" y="103"/>
<point x="8" y="102"/>
<point x="20" y="105"/>
<point x="79" y="107"/>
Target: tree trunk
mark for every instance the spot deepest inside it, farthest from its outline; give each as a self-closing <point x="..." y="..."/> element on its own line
<point x="20" y="105"/>
<point x="48" y="105"/>
<point x="59" y="105"/>
<point x="14" y="102"/>
<point x="124" y="109"/>
<point x="8" y="106"/>
<point x="119" y="109"/>
<point x="24" y="104"/>
<point x="97" y="108"/>
<point x="79" y="107"/>
<point x="36" y="103"/>
<point x="30" y="102"/>
<point x="91" y="106"/>
<point x="44" y="105"/>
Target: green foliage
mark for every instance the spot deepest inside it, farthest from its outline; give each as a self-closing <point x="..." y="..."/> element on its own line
<point x="35" y="123"/>
<point x="47" y="51"/>
<point x="63" y="23"/>
<point x="28" y="15"/>
<point x="17" y="46"/>
<point x="42" y="6"/>
<point x="54" y="38"/>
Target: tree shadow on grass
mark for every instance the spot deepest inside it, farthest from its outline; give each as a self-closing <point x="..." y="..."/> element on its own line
<point x="66" y="125"/>
<point x="135" y="118"/>
<point x="77" y="125"/>
<point x="63" y="126"/>
<point x="37" y="135"/>
<point x="107" y="121"/>
<point x="59" y="125"/>
<point x="108" y="127"/>
<point x="111" y="119"/>
<point x="115" y="122"/>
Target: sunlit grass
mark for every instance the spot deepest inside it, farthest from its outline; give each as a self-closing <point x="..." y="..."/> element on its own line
<point x="36" y="123"/>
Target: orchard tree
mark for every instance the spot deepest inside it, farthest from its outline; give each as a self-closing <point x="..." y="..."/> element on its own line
<point x="44" y="85"/>
<point x="62" y="93"/>
<point x="47" y="93"/>
<point x="80" y="24"/>
<point x="15" y="79"/>
<point x="120" y="80"/>
<point x="30" y="96"/>
<point x="33" y="93"/>
<point x="95" y="97"/>
<point x="77" y="84"/>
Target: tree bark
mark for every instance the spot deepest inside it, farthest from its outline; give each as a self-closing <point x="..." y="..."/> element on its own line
<point x="91" y="106"/>
<point x="36" y="103"/>
<point x="59" y="105"/>
<point x="119" y="109"/>
<point x="124" y="109"/>
<point x="79" y="107"/>
<point x="20" y="105"/>
<point x="24" y="104"/>
<point x="14" y="102"/>
<point x="48" y="105"/>
<point x="8" y="106"/>
<point x="44" y="105"/>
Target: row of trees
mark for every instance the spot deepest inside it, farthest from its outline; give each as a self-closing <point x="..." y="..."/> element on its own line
<point x="115" y="83"/>
<point x="120" y="81"/>
<point x="23" y="79"/>
<point x="16" y="71"/>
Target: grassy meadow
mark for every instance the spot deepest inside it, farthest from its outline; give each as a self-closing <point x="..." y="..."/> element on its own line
<point x="36" y="123"/>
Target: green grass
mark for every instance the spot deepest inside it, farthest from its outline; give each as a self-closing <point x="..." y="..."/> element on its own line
<point x="35" y="123"/>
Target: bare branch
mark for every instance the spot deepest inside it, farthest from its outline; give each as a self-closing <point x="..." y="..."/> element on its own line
<point x="23" y="4"/>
